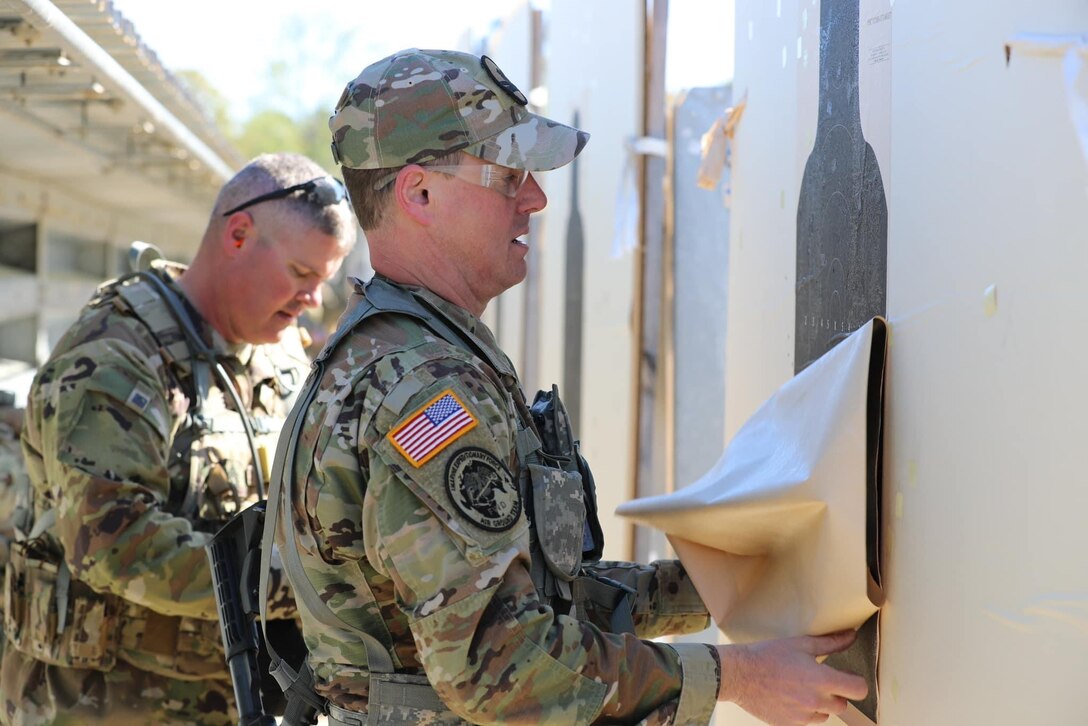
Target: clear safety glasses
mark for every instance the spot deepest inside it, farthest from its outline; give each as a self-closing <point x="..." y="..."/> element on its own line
<point x="503" y="179"/>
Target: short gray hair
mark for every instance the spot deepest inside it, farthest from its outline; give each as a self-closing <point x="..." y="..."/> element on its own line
<point x="271" y="172"/>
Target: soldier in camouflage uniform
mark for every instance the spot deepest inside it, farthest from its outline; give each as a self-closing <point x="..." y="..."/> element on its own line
<point x="137" y="453"/>
<point x="436" y="547"/>
<point x="12" y="478"/>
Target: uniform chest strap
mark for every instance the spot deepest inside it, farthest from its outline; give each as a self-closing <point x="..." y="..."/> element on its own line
<point x="379" y="660"/>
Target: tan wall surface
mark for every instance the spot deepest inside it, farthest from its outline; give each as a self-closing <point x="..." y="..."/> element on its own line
<point x="987" y="614"/>
<point x="605" y="36"/>
<point x="512" y="48"/>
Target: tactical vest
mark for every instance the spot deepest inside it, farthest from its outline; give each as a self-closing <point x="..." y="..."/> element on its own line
<point x="556" y="485"/>
<point x="213" y="475"/>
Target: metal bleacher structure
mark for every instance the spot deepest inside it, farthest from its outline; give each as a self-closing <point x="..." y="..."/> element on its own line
<point x="100" y="145"/>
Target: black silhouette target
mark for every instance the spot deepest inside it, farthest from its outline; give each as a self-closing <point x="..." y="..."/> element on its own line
<point x="842" y="213"/>
<point x="842" y="249"/>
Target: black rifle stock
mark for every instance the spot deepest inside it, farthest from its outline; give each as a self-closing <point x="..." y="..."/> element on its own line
<point x="234" y="554"/>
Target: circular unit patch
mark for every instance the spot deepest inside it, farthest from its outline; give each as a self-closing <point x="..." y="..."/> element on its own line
<point x="481" y="488"/>
<point x="503" y="82"/>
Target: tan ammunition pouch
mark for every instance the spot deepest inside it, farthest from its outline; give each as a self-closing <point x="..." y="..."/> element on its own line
<point x="173" y="646"/>
<point x="97" y="628"/>
<point x="86" y="637"/>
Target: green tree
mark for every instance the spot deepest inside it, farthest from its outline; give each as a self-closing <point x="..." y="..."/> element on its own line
<point x="296" y="97"/>
<point x="269" y="131"/>
<point x="316" y="139"/>
<point x="210" y="99"/>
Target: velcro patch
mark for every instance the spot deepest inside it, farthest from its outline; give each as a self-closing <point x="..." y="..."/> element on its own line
<point x="139" y="399"/>
<point x="503" y="82"/>
<point x="481" y="488"/>
<point x="432" y="428"/>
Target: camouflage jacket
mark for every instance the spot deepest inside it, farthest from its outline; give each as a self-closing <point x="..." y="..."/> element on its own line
<point x="137" y="478"/>
<point x="407" y="514"/>
<point x="12" y="479"/>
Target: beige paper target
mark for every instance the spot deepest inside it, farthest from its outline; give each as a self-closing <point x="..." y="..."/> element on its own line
<point x="776" y="535"/>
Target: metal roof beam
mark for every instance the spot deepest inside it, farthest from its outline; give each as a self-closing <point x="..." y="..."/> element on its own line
<point x="103" y="65"/>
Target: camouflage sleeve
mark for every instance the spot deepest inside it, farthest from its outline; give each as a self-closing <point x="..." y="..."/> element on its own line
<point x="666" y="601"/>
<point x="103" y="434"/>
<point x="443" y="518"/>
<point x="12" y="478"/>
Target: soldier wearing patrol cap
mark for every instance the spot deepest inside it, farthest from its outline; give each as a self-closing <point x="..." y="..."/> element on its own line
<point x="143" y="434"/>
<point x="438" y="530"/>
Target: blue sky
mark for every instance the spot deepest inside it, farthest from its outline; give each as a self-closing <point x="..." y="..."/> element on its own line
<point x="319" y="47"/>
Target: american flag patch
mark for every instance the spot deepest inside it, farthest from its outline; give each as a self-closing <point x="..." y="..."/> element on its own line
<point x="434" y="427"/>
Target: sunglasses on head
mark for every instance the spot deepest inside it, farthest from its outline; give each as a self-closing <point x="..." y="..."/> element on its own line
<point x="322" y="191"/>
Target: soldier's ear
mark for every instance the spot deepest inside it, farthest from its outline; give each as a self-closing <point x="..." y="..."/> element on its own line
<point x="237" y="232"/>
<point x="412" y="193"/>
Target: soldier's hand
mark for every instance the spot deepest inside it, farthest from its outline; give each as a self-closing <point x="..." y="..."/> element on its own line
<point x="781" y="683"/>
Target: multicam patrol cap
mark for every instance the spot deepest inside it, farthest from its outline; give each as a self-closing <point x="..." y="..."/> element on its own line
<point x="417" y="105"/>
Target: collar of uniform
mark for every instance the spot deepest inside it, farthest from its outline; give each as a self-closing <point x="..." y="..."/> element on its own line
<point x="242" y="351"/>
<point x="462" y="318"/>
